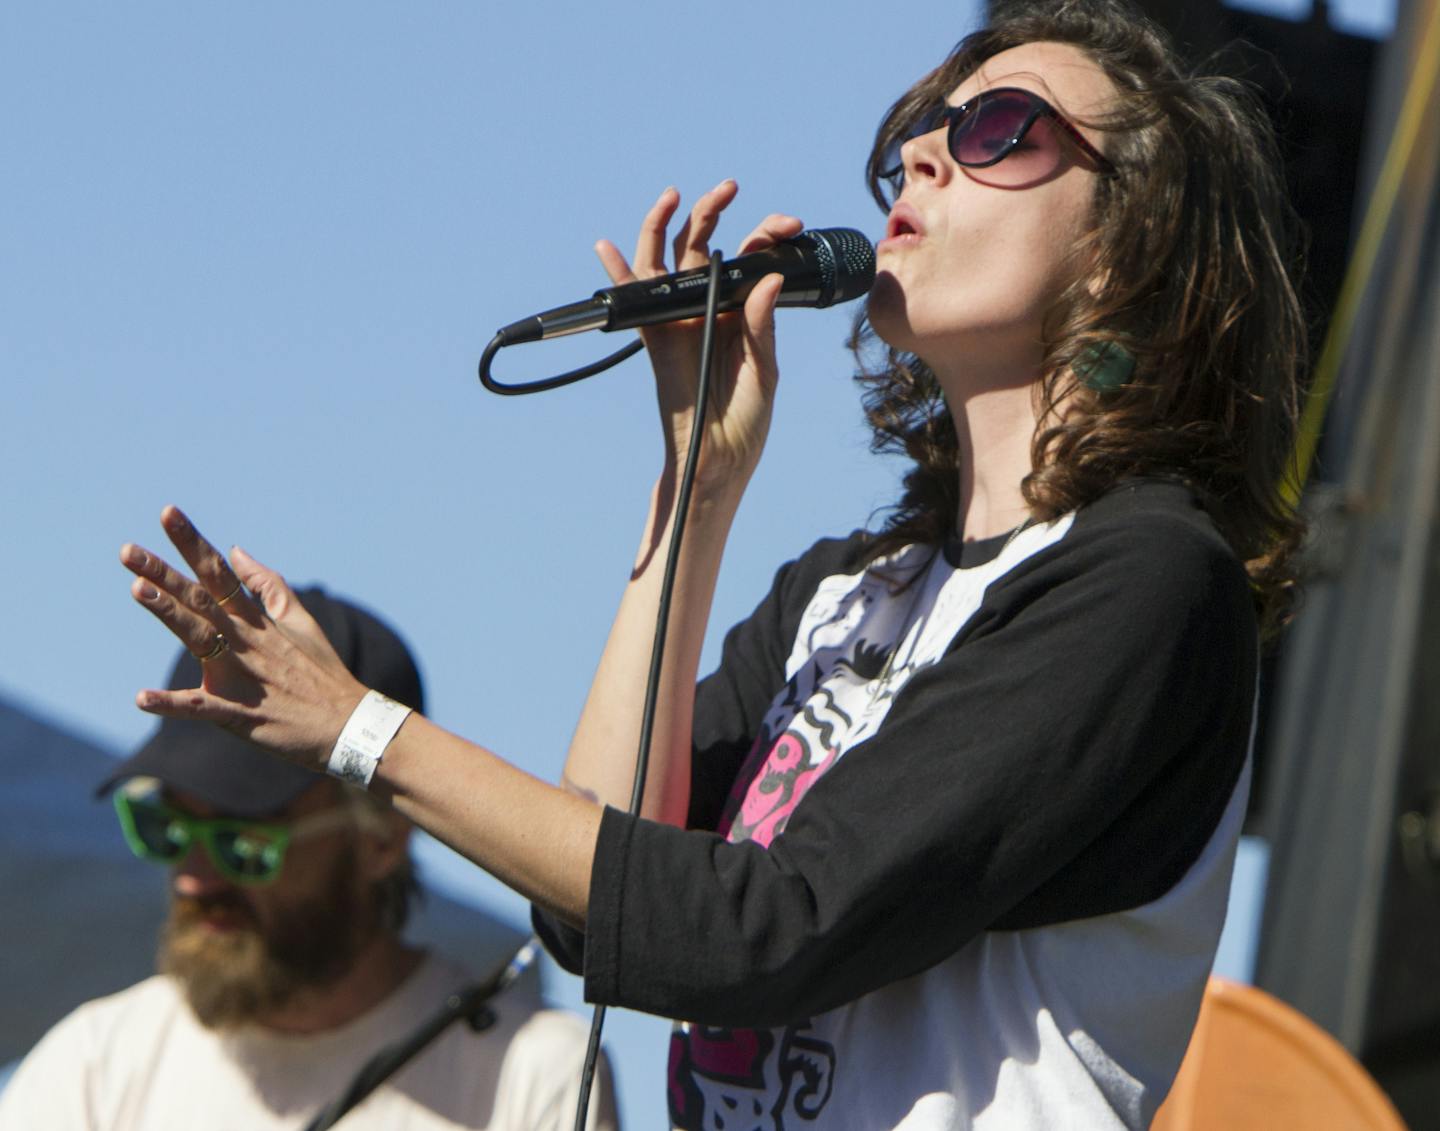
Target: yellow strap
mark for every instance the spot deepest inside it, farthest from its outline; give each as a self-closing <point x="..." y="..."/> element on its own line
<point x="1362" y="262"/>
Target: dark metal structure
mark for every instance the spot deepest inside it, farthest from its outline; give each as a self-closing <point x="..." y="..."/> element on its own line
<point x="1317" y="82"/>
<point x="1349" y="795"/>
<point x="1352" y="923"/>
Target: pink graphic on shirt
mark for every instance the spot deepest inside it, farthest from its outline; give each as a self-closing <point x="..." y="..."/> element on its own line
<point x="747" y="1079"/>
<point x="757" y="1079"/>
<point x="785" y="777"/>
<point x="765" y="795"/>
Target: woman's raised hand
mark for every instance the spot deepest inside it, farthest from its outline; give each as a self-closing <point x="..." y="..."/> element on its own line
<point x="268" y="673"/>
<point x="744" y="373"/>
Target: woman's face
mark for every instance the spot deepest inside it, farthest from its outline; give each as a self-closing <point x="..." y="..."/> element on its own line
<point x="972" y="261"/>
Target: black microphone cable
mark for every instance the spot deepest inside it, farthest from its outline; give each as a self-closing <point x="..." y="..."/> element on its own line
<point x="662" y="621"/>
<point x="498" y="342"/>
<point x="821" y="267"/>
<point x="667" y="583"/>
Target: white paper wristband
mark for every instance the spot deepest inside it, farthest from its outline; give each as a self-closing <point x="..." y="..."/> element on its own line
<point x="367" y="732"/>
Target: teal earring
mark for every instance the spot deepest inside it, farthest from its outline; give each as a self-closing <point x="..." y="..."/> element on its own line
<point x="1105" y="366"/>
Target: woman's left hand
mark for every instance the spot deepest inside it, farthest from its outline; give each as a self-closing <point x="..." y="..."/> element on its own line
<point x="269" y="674"/>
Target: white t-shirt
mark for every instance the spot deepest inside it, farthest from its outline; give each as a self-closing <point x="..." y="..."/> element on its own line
<point x="959" y="849"/>
<point x="139" y="1061"/>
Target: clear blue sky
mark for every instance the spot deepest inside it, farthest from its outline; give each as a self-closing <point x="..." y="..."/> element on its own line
<point x="251" y="254"/>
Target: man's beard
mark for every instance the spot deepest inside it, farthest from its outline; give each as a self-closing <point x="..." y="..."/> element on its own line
<point x="243" y="973"/>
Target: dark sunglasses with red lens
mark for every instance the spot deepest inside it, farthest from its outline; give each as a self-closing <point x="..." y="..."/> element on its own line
<point x="995" y="125"/>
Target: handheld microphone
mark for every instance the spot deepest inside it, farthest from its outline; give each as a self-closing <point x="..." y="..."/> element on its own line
<point x="821" y="267"/>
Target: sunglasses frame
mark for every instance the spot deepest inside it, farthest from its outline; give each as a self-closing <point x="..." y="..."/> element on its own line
<point x="204" y="829"/>
<point x="953" y="118"/>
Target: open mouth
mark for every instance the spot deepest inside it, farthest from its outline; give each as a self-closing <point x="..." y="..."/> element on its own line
<point x="904" y="221"/>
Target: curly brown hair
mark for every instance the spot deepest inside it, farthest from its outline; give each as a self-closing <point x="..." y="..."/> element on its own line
<point x="1188" y="264"/>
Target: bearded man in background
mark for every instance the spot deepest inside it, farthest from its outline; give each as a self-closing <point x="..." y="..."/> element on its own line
<point x="282" y="968"/>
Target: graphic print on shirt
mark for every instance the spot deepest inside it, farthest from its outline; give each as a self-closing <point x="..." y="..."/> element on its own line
<point x="861" y="639"/>
<point x="751" y="1079"/>
<point x="747" y="1079"/>
<point x="777" y="775"/>
<point x="833" y="699"/>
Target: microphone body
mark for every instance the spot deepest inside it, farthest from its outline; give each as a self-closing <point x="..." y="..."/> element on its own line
<point x="821" y="267"/>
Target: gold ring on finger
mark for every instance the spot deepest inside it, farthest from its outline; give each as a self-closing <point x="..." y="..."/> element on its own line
<point x="230" y="595"/>
<point x="217" y="649"/>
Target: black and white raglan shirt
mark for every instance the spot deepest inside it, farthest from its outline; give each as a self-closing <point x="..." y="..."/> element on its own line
<point x="961" y="831"/>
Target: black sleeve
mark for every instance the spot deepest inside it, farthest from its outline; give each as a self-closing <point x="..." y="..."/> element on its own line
<point x="1068" y="757"/>
<point x="730" y="704"/>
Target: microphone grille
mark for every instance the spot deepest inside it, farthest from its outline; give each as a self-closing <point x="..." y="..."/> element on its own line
<point x="847" y="263"/>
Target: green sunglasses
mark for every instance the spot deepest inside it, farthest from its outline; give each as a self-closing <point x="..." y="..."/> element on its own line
<point x="244" y="852"/>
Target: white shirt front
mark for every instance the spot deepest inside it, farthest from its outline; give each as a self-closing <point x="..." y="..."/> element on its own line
<point x="139" y="1061"/>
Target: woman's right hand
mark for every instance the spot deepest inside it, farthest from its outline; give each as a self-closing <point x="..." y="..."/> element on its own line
<point x="744" y="372"/>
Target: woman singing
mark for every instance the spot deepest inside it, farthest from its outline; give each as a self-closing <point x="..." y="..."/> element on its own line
<point x="945" y="841"/>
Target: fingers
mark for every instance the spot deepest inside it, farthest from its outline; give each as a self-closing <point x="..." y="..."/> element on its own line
<point x="691" y="248"/>
<point x="283" y="606"/>
<point x="268" y="586"/>
<point x="203" y="614"/>
<point x="650" y="244"/>
<point x="194" y="631"/>
<point x="213" y="573"/>
<point x="692" y="241"/>
<point x="614" y="263"/>
<point x="276" y="682"/>
<point x="759" y="319"/>
<point x="771" y="230"/>
<point x="211" y="569"/>
<point x="164" y="578"/>
<point x="194" y="704"/>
